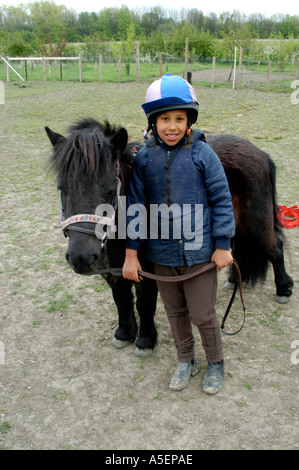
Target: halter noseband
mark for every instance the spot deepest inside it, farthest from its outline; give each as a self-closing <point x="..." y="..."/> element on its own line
<point x="94" y="219"/>
<point x="68" y="224"/>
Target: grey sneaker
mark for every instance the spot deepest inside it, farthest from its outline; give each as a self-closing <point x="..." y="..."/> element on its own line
<point x="213" y="380"/>
<point x="180" y="379"/>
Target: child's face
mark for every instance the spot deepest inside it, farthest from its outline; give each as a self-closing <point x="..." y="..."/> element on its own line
<point x="172" y="125"/>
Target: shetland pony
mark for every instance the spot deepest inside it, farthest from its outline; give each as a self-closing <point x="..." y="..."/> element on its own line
<point x="92" y="166"/>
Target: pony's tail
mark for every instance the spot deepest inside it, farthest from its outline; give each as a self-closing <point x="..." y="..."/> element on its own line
<point x="253" y="261"/>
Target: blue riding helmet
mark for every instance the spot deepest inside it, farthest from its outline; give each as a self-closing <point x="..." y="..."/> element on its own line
<point x="171" y="92"/>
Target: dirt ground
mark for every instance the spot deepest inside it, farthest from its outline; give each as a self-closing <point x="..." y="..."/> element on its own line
<point x="62" y="383"/>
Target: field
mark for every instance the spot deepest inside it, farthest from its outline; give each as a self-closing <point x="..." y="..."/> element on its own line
<point x="62" y="383"/>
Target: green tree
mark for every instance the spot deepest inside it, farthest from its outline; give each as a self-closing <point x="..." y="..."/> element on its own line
<point x="17" y="47"/>
<point x="237" y="37"/>
<point x="152" y="20"/>
<point x="201" y="43"/>
<point x="107" y="23"/>
<point x="289" y="26"/>
<point x="283" y="49"/>
<point x="48" y="20"/>
<point x="15" y="18"/>
<point x="93" y="45"/>
<point x="129" y="47"/>
<point x="124" y="23"/>
<point x="196" y="18"/>
<point x="87" y="23"/>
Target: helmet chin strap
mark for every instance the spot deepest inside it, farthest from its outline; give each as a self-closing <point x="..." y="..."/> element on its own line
<point x="154" y="129"/>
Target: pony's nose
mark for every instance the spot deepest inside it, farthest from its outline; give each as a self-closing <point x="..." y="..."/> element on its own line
<point x="82" y="263"/>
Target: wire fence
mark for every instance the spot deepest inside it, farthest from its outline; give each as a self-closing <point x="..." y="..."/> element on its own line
<point x="213" y="72"/>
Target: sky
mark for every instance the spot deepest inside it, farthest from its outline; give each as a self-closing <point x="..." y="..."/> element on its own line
<point x="266" y="8"/>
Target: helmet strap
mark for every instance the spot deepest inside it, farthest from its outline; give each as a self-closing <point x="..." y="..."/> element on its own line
<point x="188" y="134"/>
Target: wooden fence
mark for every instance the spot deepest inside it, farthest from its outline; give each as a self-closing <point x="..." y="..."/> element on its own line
<point x="45" y="60"/>
<point x="211" y="72"/>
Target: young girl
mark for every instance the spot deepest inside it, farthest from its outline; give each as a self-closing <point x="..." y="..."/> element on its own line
<point x="178" y="170"/>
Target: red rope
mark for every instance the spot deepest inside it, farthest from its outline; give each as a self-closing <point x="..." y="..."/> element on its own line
<point x="288" y="217"/>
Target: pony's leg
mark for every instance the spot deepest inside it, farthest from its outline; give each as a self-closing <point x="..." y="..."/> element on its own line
<point x="253" y="265"/>
<point x="146" y="298"/>
<point x="127" y="325"/>
<point x="283" y="281"/>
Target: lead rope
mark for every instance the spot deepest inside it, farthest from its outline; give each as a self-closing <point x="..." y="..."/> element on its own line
<point x="239" y="284"/>
<point x="208" y="267"/>
<point x="184" y="277"/>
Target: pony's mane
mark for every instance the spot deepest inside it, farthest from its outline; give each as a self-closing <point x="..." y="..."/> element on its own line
<point x="88" y="123"/>
<point x="85" y="153"/>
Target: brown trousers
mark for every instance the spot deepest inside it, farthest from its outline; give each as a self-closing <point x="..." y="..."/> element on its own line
<point x="192" y="302"/>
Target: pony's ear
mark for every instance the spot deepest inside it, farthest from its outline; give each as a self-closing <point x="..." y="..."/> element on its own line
<point x="119" y="140"/>
<point x="53" y="136"/>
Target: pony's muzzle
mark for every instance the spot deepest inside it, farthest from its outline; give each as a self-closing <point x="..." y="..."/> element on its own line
<point x="82" y="263"/>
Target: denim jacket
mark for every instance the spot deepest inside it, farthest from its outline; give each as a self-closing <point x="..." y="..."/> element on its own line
<point x="188" y="208"/>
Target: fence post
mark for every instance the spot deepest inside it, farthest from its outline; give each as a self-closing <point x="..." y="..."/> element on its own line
<point x="235" y="62"/>
<point x="26" y="71"/>
<point x="119" y="68"/>
<point x="100" y="67"/>
<point x="186" y="58"/>
<point x="268" y="75"/>
<point x="160" y="64"/>
<point x="213" y="71"/>
<point x="137" y="63"/>
<point x="80" y="67"/>
<point x="44" y="69"/>
<point x="7" y="69"/>
<point x="239" y="69"/>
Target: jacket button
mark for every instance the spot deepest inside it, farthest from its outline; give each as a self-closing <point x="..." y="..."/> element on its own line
<point x="180" y="241"/>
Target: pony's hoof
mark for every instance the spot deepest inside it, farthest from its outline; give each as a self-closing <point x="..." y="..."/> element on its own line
<point x="229" y="285"/>
<point x="280" y="299"/>
<point x="120" y="344"/>
<point x="142" y="352"/>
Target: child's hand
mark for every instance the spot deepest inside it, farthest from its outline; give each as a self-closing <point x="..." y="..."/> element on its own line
<point x="222" y="258"/>
<point x="131" y="266"/>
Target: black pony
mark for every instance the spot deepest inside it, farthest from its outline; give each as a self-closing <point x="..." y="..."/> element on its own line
<point x="258" y="240"/>
<point x="92" y="165"/>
